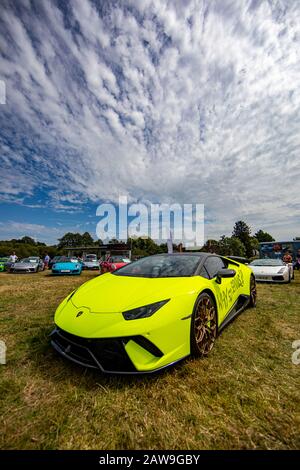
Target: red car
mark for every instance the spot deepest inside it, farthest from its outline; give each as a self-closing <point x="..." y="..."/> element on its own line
<point x="112" y="263"/>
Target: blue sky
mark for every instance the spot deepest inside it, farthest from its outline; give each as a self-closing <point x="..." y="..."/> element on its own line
<point x="187" y="101"/>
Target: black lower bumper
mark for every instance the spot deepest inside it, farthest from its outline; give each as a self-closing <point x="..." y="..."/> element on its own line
<point x="107" y="355"/>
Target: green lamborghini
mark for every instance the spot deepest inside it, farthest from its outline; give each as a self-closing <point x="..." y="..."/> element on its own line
<point x="153" y="312"/>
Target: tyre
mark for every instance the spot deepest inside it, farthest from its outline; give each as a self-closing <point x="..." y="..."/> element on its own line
<point x="253" y="292"/>
<point x="203" y="325"/>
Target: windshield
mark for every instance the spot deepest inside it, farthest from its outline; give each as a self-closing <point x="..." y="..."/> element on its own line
<point x="65" y="259"/>
<point x="90" y="257"/>
<point x="29" y="260"/>
<point x="267" y="262"/>
<point x="119" y="259"/>
<point x="161" y="266"/>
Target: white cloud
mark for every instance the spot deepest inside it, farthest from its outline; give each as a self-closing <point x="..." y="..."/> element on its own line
<point x="185" y="101"/>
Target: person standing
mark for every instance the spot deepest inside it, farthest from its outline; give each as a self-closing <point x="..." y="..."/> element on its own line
<point x="297" y="262"/>
<point x="46" y="261"/>
<point x="287" y="258"/>
<point x="13" y="258"/>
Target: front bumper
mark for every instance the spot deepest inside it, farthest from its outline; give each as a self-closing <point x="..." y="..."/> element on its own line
<point x="272" y="278"/>
<point x="23" y="271"/>
<point x="108" y="355"/>
<point x="67" y="273"/>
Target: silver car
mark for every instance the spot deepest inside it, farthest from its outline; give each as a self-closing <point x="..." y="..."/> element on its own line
<point x="91" y="262"/>
<point x="271" y="270"/>
<point x="33" y="264"/>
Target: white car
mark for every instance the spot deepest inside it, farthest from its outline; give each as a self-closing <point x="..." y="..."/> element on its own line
<point x="91" y="262"/>
<point x="271" y="270"/>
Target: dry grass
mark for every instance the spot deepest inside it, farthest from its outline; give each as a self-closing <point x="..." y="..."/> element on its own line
<point x="244" y="396"/>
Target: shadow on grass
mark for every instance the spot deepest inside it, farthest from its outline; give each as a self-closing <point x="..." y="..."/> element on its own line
<point x="49" y="364"/>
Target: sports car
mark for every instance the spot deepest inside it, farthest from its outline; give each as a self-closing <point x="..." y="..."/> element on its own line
<point x="113" y="263"/>
<point x="153" y="312"/>
<point x="91" y="262"/>
<point x="272" y="270"/>
<point x="67" y="265"/>
<point x="4" y="262"/>
<point x="33" y="264"/>
<point x="94" y="265"/>
<point x="53" y="261"/>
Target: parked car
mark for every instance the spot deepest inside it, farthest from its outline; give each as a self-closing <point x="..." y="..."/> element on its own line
<point x="152" y="313"/>
<point x="32" y="264"/>
<point x="5" y="264"/>
<point x="67" y="265"/>
<point x="91" y="262"/>
<point x="272" y="270"/>
<point x="112" y="263"/>
<point x="53" y="261"/>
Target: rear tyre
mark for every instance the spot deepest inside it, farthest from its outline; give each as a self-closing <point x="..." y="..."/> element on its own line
<point x="203" y="326"/>
<point x="253" y="292"/>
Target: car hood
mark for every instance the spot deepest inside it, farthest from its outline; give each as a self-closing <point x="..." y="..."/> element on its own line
<point x="25" y="265"/>
<point x="266" y="269"/>
<point x="70" y="265"/>
<point x="110" y="293"/>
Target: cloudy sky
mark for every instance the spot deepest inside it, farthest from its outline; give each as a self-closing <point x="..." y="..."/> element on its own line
<point x="189" y="101"/>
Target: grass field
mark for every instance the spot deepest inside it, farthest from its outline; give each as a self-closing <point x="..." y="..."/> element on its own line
<point x="245" y="395"/>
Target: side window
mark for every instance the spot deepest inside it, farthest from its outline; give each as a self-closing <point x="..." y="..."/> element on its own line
<point x="204" y="273"/>
<point x="213" y="264"/>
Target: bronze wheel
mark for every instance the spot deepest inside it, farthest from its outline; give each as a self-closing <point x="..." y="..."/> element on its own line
<point x="253" y="292"/>
<point x="203" y="326"/>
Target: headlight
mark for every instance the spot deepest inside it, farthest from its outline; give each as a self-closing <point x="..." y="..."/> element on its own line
<point x="145" y="311"/>
<point x="281" y="270"/>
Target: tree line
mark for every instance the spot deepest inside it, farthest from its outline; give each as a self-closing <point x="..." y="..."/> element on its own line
<point x="240" y="243"/>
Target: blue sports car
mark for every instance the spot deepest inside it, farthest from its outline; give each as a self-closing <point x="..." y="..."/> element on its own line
<point x="67" y="266"/>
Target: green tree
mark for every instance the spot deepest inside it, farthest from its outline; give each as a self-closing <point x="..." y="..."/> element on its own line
<point x="144" y="246"/>
<point x="86" y="239"/>
<point x="263" y="236"/>
<point x="211" y="246"/>
<point x="70" y="239"/>
<point x="231" y="246"/>
<point x="27" y="240"/>
<point x="242" y="231"/>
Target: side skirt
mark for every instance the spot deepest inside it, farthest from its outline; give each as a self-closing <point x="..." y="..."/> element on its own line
<point x="235" y="310"/>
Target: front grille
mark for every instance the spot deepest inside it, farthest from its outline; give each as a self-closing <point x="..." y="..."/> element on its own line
<point x="278" y="278"/>
<point x="108" y="355"/>
<point x="27" y="270"/>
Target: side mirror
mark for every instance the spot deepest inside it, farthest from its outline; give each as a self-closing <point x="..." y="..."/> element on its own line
<point x="225" y="273"/>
